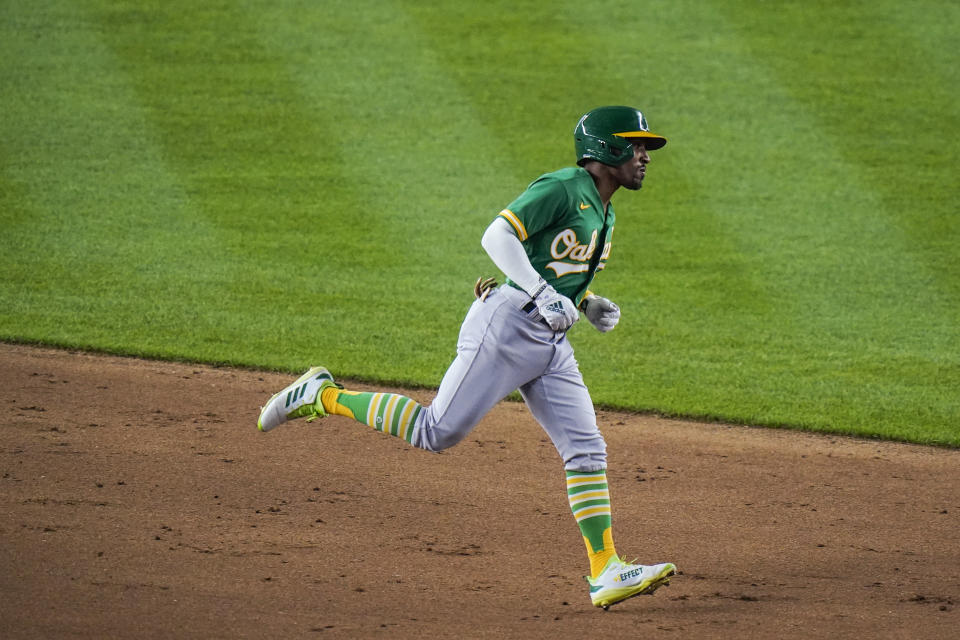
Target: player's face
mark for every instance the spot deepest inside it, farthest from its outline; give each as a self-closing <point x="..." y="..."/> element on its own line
<point x="630" y="174"/>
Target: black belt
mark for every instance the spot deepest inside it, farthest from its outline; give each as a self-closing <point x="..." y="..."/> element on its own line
<point x="529" y="308"/>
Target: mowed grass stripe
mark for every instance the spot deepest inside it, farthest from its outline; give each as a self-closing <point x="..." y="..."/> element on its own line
<point x="797" y="359"/>
<point x="524" y="74"/>
<point x="885" y="104"/>
<point x="234" y="128"/>
<point x="413" y="205"/>
<point x="87" y="221"/>
<point x="867" y="247"/>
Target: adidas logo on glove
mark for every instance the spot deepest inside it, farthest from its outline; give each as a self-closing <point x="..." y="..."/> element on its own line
<point x="556" y="310"/>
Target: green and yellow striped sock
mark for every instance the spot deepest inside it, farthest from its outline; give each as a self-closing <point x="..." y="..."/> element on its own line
<point x="590" y="503"/>
<point x="387" y="412"/>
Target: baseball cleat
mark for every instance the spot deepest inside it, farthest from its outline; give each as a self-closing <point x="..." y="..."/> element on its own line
<point x="620" y="580"/>
<point x="299" y="400"/>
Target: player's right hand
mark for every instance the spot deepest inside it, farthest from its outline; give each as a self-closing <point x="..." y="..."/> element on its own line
<point x="556" y="309"/>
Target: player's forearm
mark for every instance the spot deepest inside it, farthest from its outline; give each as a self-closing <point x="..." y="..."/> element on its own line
<point x="505" y="249"/>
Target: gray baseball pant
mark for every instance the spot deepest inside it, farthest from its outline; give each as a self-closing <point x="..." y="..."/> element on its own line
<point x="502" y="348"/>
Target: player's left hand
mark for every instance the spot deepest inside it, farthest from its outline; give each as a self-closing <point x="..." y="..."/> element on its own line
<point x="602" y="314"/>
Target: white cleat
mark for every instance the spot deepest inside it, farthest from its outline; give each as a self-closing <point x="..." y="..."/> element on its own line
<point x="299" y="400"/>
<point x="621" y="580"/>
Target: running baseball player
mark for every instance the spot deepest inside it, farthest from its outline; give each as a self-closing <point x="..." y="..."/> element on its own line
<point x="550" y="242"/>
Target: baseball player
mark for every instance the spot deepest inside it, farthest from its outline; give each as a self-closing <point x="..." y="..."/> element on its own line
<point x="550" y="242"/>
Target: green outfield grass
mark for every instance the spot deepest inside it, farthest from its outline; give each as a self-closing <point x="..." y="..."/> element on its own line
<point x="278" y="184"/>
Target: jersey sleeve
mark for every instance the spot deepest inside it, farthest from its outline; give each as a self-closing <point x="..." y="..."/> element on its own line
<point x="543" y="202"/>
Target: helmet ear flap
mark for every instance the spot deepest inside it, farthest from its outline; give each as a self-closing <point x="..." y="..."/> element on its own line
<point x="617" y="152"/>
<point x="613" y="152"/>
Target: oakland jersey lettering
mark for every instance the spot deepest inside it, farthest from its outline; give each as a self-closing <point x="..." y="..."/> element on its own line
<point x="566" y="245"/>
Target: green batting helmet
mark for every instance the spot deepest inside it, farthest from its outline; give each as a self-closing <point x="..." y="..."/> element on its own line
<point x="607" y="134"/>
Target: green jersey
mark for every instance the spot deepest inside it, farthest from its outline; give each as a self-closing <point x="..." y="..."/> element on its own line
<point x="565" y="231"/>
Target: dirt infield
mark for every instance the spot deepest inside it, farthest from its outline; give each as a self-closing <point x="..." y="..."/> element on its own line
<point x="139" y="501"/>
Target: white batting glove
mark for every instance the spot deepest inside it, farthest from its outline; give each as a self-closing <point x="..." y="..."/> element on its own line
<point x="602" y="314"/>
<point x="557" y="310"/>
